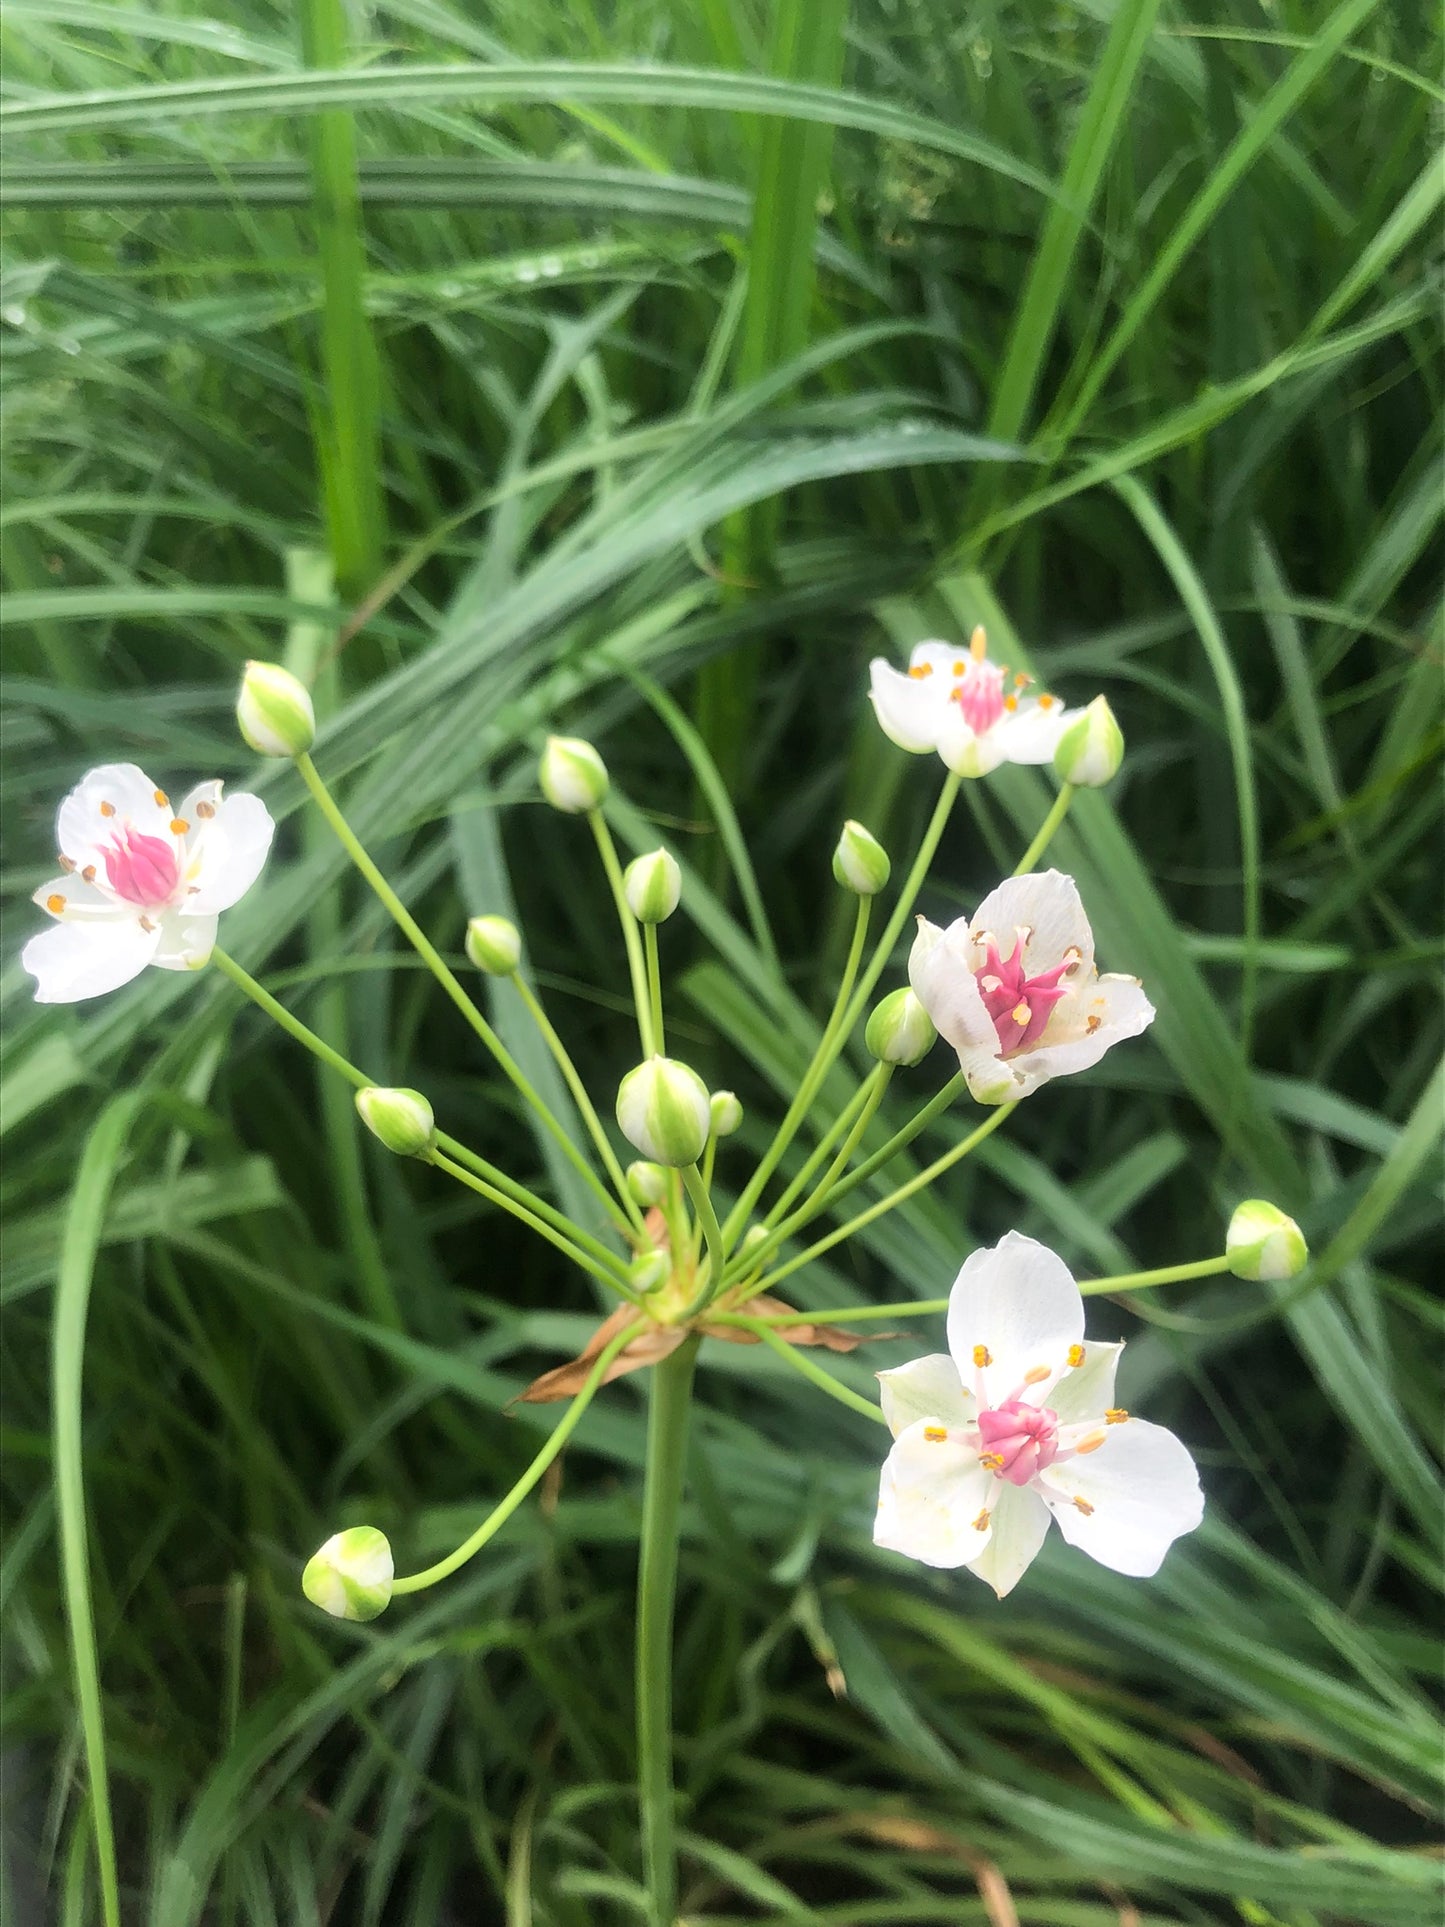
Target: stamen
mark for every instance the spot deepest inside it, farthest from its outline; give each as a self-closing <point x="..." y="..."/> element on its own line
<point x="1036" y="1374"/>
<point x="163" y="802"/>
<point x="107" y="809"/>
<point x="992" y="1461"/>
<point x="1072" y="958"/>
<point x="980" y="1524"/>
<point x="66" y="863"/>
<point x="208" y="810"/>
<point x="959" y="667"/>
<point x="55" y="903"/>
<point x="179" y="826"/>
<point x="146" y="924"/>
<point x="1091" y="1443"/>
<point x="1010" y="703"/>
<point x="935" y="1434"/>
<point x="990" y="984"/>
<point x="1116" y="1415"/>
<point x="1021" y="1014"/>
<point x="1076" y="1355"/>
<point x="982" y="1355"/>
<point x="1091" y="1024"/>
<point x="919" y="672"/>
<point x="978" y="643"/>
<point x="1047" y="702"/>
<point x="1083" y="1506"/>
<point x="88" y="873"/>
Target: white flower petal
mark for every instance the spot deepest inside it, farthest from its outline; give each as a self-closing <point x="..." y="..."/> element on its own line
<point x="83" y="828"/>
<point x="945" y="659"/>
<point x="930" y="1496"/>
<point x="1019" y="1521"/>
<point x="186" y="940"/>
<point x="1014" y="1308"/>
<point x="1032" y="732"/>
<point x="940" y="970"/>
<point x="964" y="751"/>
<point x="1087" y="1391"/>
<point x="924" y="1388"/>
<point x="1141" y="1490"/>
<point x="73" y="961"/>
<point x="909" y="708"/>
<point x="1047" y="902"/>
<point x="226" y="852"/>
<point x="70" y="899"/>
<point x="1067" y="1045"/>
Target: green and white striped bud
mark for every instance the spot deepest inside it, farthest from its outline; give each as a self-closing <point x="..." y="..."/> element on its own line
<point x="573" y="776"/>
<point x="860" y="862"/>
<point x="649" y="1271"/>
<point x="646" y="1184"/>
<point x="494" y="945"/>
<point x="1263" y="1243"/>
<point x="727" y="1113"/>
<point x="663" y="1110"/>
<point x="652" y="885"/>
<point x="900" y="1030"/>
<point x="1091" y="749"/>
<point x="402" y="1119"/>
<point x="351" y="1576"/>
<point x="274" y="711"/>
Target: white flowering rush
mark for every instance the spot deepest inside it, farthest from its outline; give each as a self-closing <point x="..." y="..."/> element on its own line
<point x="1014" y="989"/>
<point x="957" y="702"/>
<point x="1017" y="1425"/>
<point x="144" y="880"/>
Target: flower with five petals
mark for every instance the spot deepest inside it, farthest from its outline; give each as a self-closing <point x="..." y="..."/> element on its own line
<point x="1017" y="1425"/>
<point x="144" y="882"/>
<point x="957" y="702"/>
<point x="1014" y="989"/>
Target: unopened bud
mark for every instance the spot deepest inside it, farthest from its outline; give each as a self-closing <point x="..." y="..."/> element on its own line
<point x="755" y="1235"/>
<point x="274" y="711"/>
<point x="1263" y="1243"/>
<point x="646" y="1184"/>
<point x="860" y="862"/>
<point x="573" y="776"/>
<point x="900" y="1030"/>
<point x="727" y="1113"/>
<point x="494" y="944"/>
<point x="1091" y="749"/>
<point x="402" y="1119"/>
<point x="663" y="1109"/>
<point x="649" y="1271"/>
<point x="350" y="1577"/>
<point x="652" y="885"/>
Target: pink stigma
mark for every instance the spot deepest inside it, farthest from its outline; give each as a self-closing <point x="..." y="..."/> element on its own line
<point x="1019" y="1005"/>
<point x="142" y="869"/>
<point x="980" y="694"/>
<point x="1024" y="1437"/>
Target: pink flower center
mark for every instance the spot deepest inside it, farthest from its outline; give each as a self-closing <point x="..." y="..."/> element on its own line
<point x="1018" y="1440"/>
<point x="1019" y="1004"/>
<point x="980" y="694"/>
<point x="142" y="869"/>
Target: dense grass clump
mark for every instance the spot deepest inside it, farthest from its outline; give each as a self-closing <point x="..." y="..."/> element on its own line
<point x="644" y="369"/>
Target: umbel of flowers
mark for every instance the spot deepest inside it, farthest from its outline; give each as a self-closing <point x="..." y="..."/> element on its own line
<point x="1017" y="1427"/>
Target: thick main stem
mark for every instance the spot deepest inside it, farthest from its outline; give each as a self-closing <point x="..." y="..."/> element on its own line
<point x="670" y="1398"/>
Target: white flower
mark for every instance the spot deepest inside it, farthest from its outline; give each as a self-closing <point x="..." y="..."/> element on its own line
<point x="1014" y="989"/>
<point x="954" y="700"/>
<point x="1018" y="1425"/>
<point x="144" y="880"/>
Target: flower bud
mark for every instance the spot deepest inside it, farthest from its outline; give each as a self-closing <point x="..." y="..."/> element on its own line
<point x="755" y="1235"/>
<point x="900" y="1030"/>
<point x="663" y="1109"/>
<point x="494" y="944"/>
<point x="646" y="1184"/>
<point x="652" y="885"/>
<point x="402" y="1119"/>
<point x="1091" y="749"/>
<point x="727" y="1113"/>
<point x="351" y="1576"/>
<point x="573" y="776"/>
<point x="1263" y="1243"/>
<point x="649" y="1271"/>
<point x="274" y="711"/>
<point x="860" y="862"/>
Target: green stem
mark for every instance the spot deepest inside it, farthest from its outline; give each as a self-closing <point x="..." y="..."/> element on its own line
<point x="815" y="1203"/>
<point x="711" y="1231"/>
<point x="500" y="1513"/>
<point x="654" y="986"/>
<point x="449" y="982"/>
<point x="566" y="1245"/>
<point x="293" y="1026"/>
<point x="900" y="1196"/>
<point x="1046" y="832"/>
<point x="815" y="1157"/>
<point x="812" y="1081"/>
<point x="814" y="1373"/>
<point x="667" y="1419"/>
<point x="518" y="1193"/>
<point x="1166" y="1275"/>
<point x="579" y="1096"/>
<point x="636" y="969"/>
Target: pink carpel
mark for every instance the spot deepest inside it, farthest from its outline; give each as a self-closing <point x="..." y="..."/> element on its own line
<point x="1019" y="1440"/>
<point x="142" y="869"/>
<point x="980" y="694"/>
<point x="1018" y="1004"/>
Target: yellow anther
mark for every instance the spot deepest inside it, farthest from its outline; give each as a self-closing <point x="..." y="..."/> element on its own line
<point x="1083" y="1506"/>
<point x="1073" y="957"/>
<point x="935" y="1434"/>
<point x="1091" y="1443"/>
<point x="107" y="809"/>
<point x="980" y="1524"/>
<point x="1091" y="1024"/>
<point x="1021" y="1012"/>
<point x="55" y="903"/>
<point x="163" y="802"/>
<point x="992" y="1461"/>
<point x="146" y="924"/>
<point x="206" y="810"/>
<point x="982" y="1355"/>
<point x="1010" y="702"/>
<point x="1036" y="1374"/>
<point x="1047" y="702"/>
<point x="1116" y="1415"/>
<point x="88" y="873"/>
<point x="1076" y="1355"/>
<point x="978" y="643"/>
<point x="179" y="826"/>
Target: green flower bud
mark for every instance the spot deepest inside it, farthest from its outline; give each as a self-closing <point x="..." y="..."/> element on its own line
<point x="727" y="1113"/>
<point x="402" y="1119"/>
<point x="351" y="1576"/>
<point x="663" y="1109"/>
<point x="649" y="1271"/>
<point x="1091" y="749"/>
<point x="494" y="944"/>
<point x="752" y="1238"/>
<point x="652" y="885"/>
<point x="274" y="711"/>
<point x="1263" y="1243"/>
<point x="900" y="1030"/>
<point x="573" y="776"/>
<point x="646" y="1183"/>
<point x="860" y="862"/>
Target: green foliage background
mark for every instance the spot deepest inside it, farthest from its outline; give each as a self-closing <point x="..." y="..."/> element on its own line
<point x="600" y="351"/>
